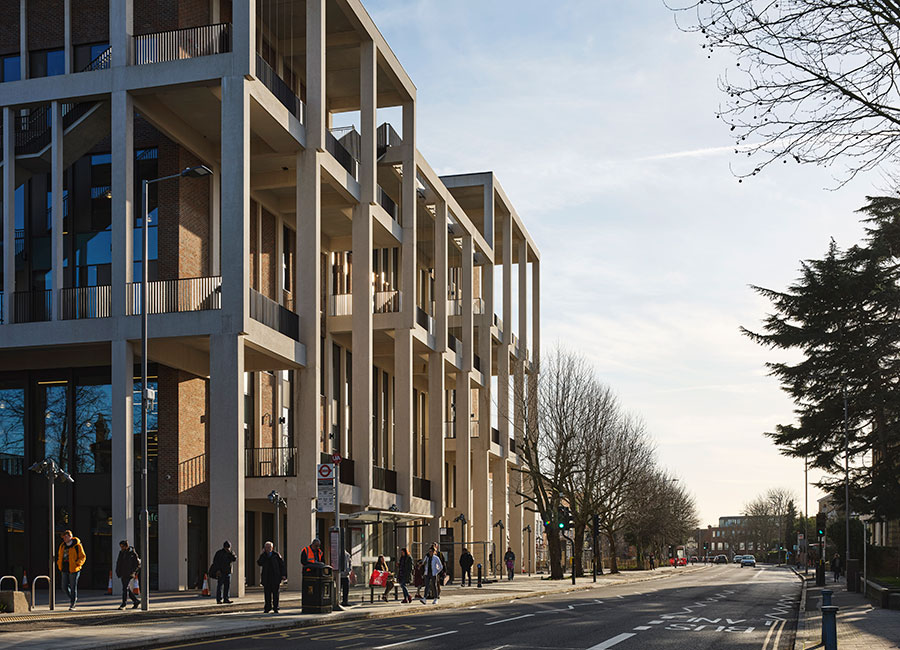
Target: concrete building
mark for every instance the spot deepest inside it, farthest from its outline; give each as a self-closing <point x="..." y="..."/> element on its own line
<point x="323" y="291"/>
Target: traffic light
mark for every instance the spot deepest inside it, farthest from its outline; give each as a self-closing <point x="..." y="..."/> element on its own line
<point x="564" y="522"/>
<point x="821" y="520"/>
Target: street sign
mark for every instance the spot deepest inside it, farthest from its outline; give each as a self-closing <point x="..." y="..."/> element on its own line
<point x="325" y="493"/>
<point x="336" y="458"/>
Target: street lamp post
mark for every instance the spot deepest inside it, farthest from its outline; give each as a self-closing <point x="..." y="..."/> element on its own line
<point x="279" y="502"/>
<point x="147" y="395"/>
<point x="54" y="473"/>
<point x="530" y="547"/>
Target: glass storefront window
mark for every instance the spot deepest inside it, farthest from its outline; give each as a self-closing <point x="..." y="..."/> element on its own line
<point x="52" y="423"/>
<point x="152" y="425"/>
<point x="12" y="431"/>
<point x="93" y="419"/>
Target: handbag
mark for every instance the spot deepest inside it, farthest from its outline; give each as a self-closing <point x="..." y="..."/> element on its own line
<point x="378" y="578"/>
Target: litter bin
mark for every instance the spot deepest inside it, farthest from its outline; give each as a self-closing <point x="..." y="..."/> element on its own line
<point x="317" y="586"/>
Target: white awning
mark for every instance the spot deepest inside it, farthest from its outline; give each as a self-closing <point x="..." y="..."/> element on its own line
<point x="384" y="516"/>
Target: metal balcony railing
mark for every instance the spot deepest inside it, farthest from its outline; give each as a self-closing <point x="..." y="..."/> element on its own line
<point x="283" y="93"/>
<point x="12" y="465"/>
<point x="175" y="296"/>
<point x="340" y="304"/>
<point x="454" y="344"/>
<point x="186" y="43"/>
<point x="426" y="321"/>
<point x="20" y="242"/>
<point x="266" y="462"/>
<point x="384" y="479"/>
<point x="85" y="302"/>
<point x="192" y="472"/>
<point x="454" y="307"/>
<point x="31" y="306"/>
<point x="270" y="313"/>
<point x="387" y="302"/>
<point x="343" y="156"/>
<point x="498" y="323"/>
<point x="422" y="488"/>
<point x="386" y="202"/>
<point x="101" y="62"/>
<point x="449" y="429"/>
<point x="33" y="127"/>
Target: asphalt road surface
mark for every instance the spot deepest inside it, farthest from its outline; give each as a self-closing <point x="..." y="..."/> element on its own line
<point x="722" y="607"/>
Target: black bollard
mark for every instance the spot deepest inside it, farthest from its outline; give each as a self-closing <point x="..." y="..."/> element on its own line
<point x="826" y="596"/>
<point x="594" y="568"/>
<point x="829" y="627"/>
<point x="479" y="575"/>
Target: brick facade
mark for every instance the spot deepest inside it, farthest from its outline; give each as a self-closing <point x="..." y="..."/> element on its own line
<point x="9" y="27"/>
<point x="183" y="438"/>
<point x="90" y="21"/>
<point x="254" y="245"/>
<point x="46" y="24"/>
<point x="267" y="280"/>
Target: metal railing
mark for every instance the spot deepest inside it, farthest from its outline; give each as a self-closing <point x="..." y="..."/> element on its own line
<point x="474" y="430"/>
<point x="425" y="320"/>
<point x="478" y="306"/>
<point x="449" y="429"/>
<point x="270" y="313"/>
<point x="344" y="158"/>
<point x="283" y="93"/>
<point x="85" y="302"/>
<point x="384" y="479"/>
<point x="1" y="308"/>
<point x="13" y="578"/>
<point x="20" y="242"/>
<point x="33" y="131"/>
<point x="34" y="582"/>
<point x="340" y="304"/>
<point x="175" y="296"/>
<point x="498" y="322"/>
<point x="387" y="302"/>
<point x="421" y="488"/>
<point x="495" y="435"/>
<point x="386" y="202"/>
<point x="192" y="472"/>
<point x="454" y="307"/>
<point x="186" y="43"/>
<point x="101" y="62"/>
<point x="31" y="306"/>
<point x="454" y="343"/>
<point x="265" y="462"/>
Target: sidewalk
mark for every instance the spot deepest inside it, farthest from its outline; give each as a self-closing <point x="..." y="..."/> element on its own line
<point x="178" y="617"/>
<point x="860" y="624"/>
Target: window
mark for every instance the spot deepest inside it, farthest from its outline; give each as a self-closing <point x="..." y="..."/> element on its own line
<point x="12" y="431"/>
<point x="93" y="421"/>
<point x="51" y="423"/>
<point x="12" y="68"/>
<point x="46" y="63"/>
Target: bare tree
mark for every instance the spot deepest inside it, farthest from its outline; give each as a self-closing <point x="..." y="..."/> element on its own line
<point x="765" y="518"/>
<point x="814" y="81"/>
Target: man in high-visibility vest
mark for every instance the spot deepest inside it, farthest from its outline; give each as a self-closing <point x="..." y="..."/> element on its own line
<point x="312" y="554"/>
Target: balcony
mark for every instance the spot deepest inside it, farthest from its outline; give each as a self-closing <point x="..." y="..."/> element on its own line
<point x="455" y="306"/>
<point x="270" y="313"/>
<point x="384" y="479"/>
<point x="495" y="435"/>
<point x="422" y="488"/>
<point x="85" y="302"/>
<point x="478" y="306"/>
<point x="280" y="89"/>
<point x="387" y="302"/>
<point x="33" y="127"/>
<point x="386" y="202"/>
<point x="270" y="462"/>
<point x="426" y="321"/>
<point x="192" y="472"/>
<point x="177" y="44"/>
<point x="31" y="306"/>
<point x="176" y="296"/>
<point x="449" y="429"/>
<point x="341" y="154"/>
<point x="102" y="62"/>
<point x="340" y="304"/>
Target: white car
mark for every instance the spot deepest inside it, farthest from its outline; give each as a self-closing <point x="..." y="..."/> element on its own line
<point x="737" y="559"/>
<point x="748" y="560"/>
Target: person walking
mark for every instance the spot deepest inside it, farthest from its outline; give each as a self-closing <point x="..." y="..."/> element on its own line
<point x="70" y="559"/>
<point x="345" y="579"/>
<point x="419" y="578"/>
<point x="510" y="560"/>
<point x="128" y="564"/>
<point x="272" y="574"/>
<point x="221" y="571"/>
<point x="404" y="573"/>
<point x="442" y="574"/>
<point x="433" y="568"/>
<point x="313" y="553"/>
<point x="836" y="566"/>
<point x="465" y="563"/>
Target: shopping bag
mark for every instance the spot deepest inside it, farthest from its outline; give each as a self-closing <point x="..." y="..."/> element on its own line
<point x="378" y="578"/>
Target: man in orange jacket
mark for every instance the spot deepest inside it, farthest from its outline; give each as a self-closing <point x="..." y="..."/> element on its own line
<point x="312" y="553"/>
<point x="69" y="560"/>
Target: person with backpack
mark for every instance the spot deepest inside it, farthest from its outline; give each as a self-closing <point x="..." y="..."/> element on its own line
<point x="510" y="560"/>
<point x="465" y="563"/>
<point x="221" y="571"/>
<point x="433" y="568"/>
<point x="128" y="564"/>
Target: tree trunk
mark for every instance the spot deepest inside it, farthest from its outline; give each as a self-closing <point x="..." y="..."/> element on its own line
<point x="554" y="551"/>
<point x="578" y="551"/>
<point x="613" y="559"/>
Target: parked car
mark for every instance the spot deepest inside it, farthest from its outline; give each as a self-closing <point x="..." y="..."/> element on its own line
<point x="720" y="559"/>
<point x="737" y="559"/>
<point x="748" y="560"/>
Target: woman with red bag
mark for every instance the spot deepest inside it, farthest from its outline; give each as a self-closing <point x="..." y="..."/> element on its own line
<point x="381" y="576"/>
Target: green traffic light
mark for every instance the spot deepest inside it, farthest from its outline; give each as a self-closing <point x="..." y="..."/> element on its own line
<point x="561" y="525"/>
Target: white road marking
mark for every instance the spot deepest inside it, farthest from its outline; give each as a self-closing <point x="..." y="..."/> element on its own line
<point x="641" y="627"/>
<point x="613" y="641"/>
<point x="655" y="622"/>
<point x="507" y="620"/>
<point x="421" y="638"/>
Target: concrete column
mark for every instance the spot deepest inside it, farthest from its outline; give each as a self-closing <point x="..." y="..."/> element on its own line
<point x="67" y="34"/>
<point x="235" y="202"/>
<point x="9" y="213"/>
<point x="226" y="449"/>
<point x="122" y="473"/>
<point x="434" y="453"/>
<point x="464" y="448"/>
<point x="23" y="39"/>
<point x="515" y="521"/>
<point x="523" y="297"/>
<point x="482" y="520"/>
<point x="403" y="414"/>
<point x="123" y="208"/>
<point x="328" y="389"/>
<point x="468" y="317"/>
<point x="503" y="364"/>
<point x="173" y="546"/>
<point x="56" y="208"/>
<point x="440" y="277"/>
<point x="368" y="87"/>
<point x="121" y="29"/>
<point x="243" y="20"/>
<point x="315" y="75"/>
<point x="409" y="198"/>
<point x="215" y="224"/>
<point x="500" y="512"/>
<point x="536" y="310"/>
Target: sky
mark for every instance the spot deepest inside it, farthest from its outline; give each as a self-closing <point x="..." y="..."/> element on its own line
<point x="598" y="118"/>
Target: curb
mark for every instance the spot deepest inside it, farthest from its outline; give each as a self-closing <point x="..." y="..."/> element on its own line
<point x="263" y="627"/>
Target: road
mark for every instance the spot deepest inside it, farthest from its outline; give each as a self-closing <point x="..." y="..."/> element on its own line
<point x="721" y="607"/>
